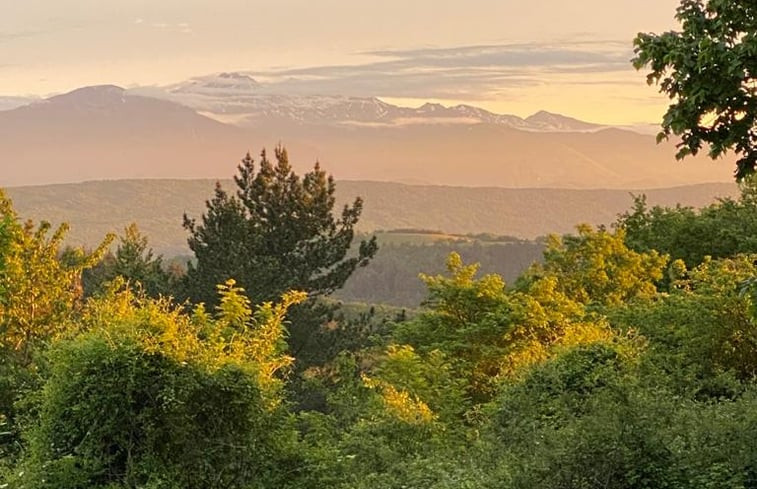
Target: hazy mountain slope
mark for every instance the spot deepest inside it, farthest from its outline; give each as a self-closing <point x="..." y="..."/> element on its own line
<point x="94" y="208"/>
<point x="106" y="133"/>
<point x="103" y="132"/>
<point x="487" y="154"/>
<point x="555" y="122"/>
<point x="8" y="103"/>
<point x="392" y="275"/>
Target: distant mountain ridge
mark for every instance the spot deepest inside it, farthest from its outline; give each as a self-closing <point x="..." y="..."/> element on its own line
<point x="239" y="99"/>
<point x="8" y="103"/>
<point x="106" y="132"/>
<point x="95" y="208"/>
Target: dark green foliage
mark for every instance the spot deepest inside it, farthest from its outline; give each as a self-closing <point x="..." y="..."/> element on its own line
<point x="584" y="375"/>
<point x="580" y="421"/>
<point x="714" y="444"/>
<point x="392" y="276"/>
<point x="276" y="233"/>
<point x="360" y="443"/>
<point x="134" y="261"/>
<point x="351" y="327"/>
<point x="708" y="69"/>
<point x="559" y="390"/>
<point x="16" y="383"/>
<point x="589" y="420"/>
<point x="149" y="396"/>
<point x="40" y="293"/>
<point x="319" y="331"/>
<point x="115" y="415"/>
<point x="720" y="230"/>
<point x="704" y="326"/>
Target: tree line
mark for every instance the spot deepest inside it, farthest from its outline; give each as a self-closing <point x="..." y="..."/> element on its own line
<point x="620" y="359"/>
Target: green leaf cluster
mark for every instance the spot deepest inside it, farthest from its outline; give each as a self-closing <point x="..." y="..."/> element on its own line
<point x="708" y="70"/>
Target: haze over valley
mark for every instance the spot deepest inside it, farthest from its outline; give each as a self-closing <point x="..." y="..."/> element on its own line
<point x="445" y="141"/>
<point x="200" y="129"/>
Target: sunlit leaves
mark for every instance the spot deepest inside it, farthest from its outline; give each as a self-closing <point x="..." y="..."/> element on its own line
<point x="41" y="286"/>
<point x="237" y="334"/>
<point x="596" y="267"/>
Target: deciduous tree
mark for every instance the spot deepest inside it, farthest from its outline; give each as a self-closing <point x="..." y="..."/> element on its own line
<point x="709" y="71"/>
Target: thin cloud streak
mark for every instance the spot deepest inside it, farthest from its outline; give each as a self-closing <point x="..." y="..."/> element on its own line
<point x="181" y="27"/>
<point x="471" y="72"/>
<point x="13" y="36"/>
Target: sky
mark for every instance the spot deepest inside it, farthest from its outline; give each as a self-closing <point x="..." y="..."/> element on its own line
<point x="508" y="56"/>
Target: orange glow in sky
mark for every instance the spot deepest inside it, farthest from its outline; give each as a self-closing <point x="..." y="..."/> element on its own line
<point x="567" y="57"/>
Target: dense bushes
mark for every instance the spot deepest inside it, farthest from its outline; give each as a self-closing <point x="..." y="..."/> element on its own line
<point x="721" y="230"/>
<point x="147" y="396"/>
<point x="595" y="369"/>
<point x="114" y="415"/>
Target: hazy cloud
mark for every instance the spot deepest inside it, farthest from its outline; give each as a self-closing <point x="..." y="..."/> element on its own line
<point x="181" y="27"/>
<point x="465" y="72"/>
<point x="12" y="36"/>
<point x="523" y="54"/>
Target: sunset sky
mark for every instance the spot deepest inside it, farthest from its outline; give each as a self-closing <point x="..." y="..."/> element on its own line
<point x="509" y="56"/>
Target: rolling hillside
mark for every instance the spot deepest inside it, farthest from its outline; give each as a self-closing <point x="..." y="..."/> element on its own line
<point x="95" y="208"/>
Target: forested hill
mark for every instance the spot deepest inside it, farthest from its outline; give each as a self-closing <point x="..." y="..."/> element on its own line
<point x="95" y="208"/>
<point x="392" y="277"/>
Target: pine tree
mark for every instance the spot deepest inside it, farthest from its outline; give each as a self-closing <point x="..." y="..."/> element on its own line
<point x="134" y="261"/>
<point x="278" y="232"/>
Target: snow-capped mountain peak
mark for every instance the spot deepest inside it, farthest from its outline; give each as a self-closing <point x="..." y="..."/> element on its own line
<point x="221" y="84"/>
<point x="239" y="99"/>
<point x="549" y="120"/>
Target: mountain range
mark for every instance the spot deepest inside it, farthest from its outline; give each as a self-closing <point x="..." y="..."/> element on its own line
<point x="239" y="99"/>
<point x="202" y="127"/>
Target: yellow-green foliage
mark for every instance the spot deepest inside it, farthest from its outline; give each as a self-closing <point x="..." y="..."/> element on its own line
<point x="494" y="333"/>
<point x="544" y="320"/>
<point x="237" y="334"/>
<point x="428" y="383"/>
<point x="399" y="403"/>
<point x="143" y="394"/>
<point x="40" y="287"/>
<point x="598" y="267"/>
<point x="583" y="374"/>
<point x="460" y="297"/>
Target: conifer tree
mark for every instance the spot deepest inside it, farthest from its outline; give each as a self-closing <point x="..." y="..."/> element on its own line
<point x="277" y="232"/>
<point x="135" y="261"/>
